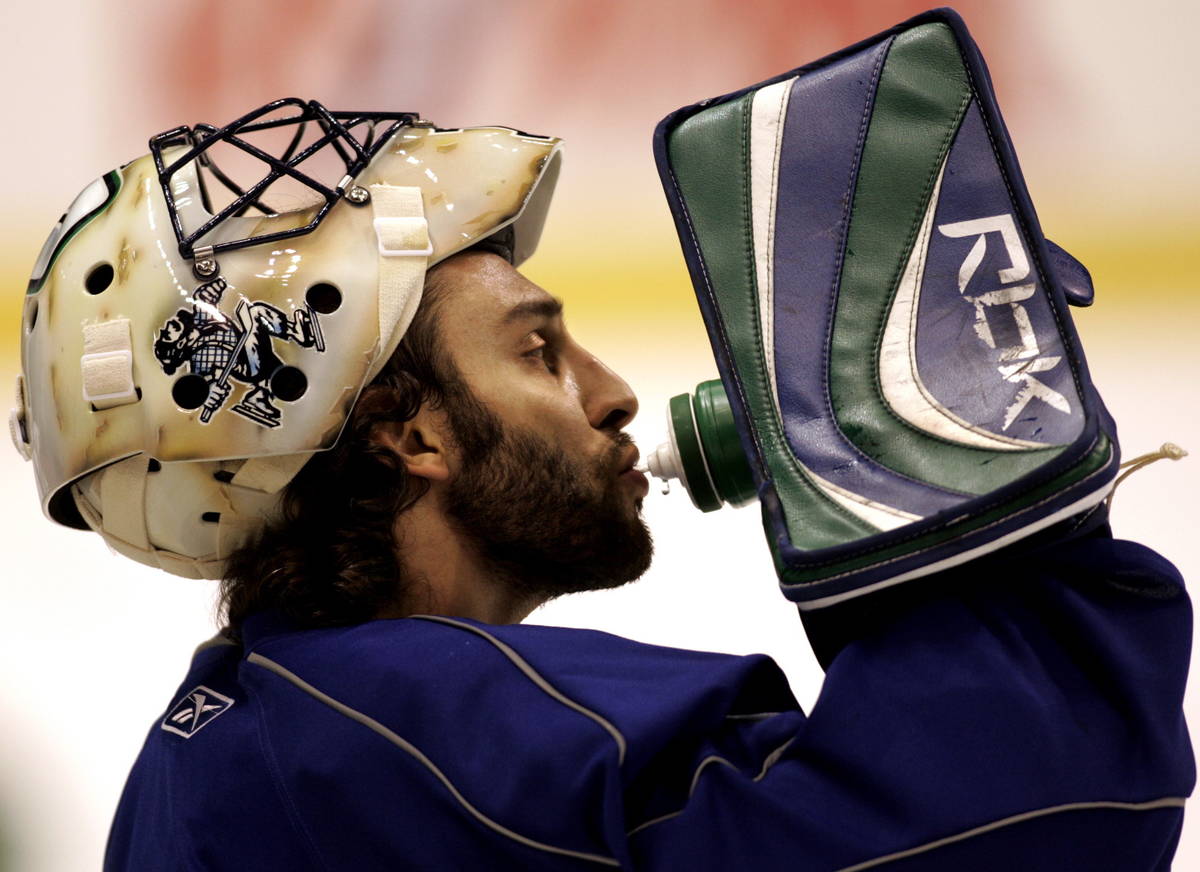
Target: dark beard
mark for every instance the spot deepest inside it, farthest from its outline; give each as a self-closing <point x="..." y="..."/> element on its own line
<point x="544" y="524"/>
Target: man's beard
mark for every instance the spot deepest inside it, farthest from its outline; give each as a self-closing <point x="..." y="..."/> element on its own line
<point x="544" y="524"/>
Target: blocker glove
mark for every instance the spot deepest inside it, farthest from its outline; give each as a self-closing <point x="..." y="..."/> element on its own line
<point x="890" y="325"/>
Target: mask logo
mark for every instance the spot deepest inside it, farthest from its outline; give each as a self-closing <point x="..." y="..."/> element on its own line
<point x="217" y="348"/>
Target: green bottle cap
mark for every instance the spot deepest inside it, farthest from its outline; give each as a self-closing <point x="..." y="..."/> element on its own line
<point x="704" y="453"/>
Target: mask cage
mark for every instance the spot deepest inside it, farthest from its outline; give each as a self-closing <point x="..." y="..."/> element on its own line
<point x="353" y="137"/>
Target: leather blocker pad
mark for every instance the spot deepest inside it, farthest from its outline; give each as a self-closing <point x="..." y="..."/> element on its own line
<point x="889" y="323"/>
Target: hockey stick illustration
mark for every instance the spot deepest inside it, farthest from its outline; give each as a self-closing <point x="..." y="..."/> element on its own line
<point x="220" y="381"/>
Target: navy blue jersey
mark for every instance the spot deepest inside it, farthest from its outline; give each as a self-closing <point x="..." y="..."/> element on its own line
<point x="1030" y="718"/>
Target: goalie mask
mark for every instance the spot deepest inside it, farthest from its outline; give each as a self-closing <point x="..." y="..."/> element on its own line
<point x="202" y="320"/>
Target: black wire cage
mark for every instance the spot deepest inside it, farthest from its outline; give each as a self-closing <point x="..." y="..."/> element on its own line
<point x="351" y="139"/>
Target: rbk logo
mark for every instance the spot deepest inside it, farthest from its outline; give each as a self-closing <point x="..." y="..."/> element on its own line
<point x="1016" y="363"/>
<point x="197" y="709"/>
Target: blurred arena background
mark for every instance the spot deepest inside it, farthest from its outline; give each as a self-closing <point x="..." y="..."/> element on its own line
<point x="1098" y="97"/>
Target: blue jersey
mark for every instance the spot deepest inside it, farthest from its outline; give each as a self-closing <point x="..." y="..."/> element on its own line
<point x="1030" y="719"/>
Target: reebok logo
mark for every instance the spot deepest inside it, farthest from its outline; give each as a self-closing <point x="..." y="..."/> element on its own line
<point x="1016" y="363"/>
<point x="196" y="710"/>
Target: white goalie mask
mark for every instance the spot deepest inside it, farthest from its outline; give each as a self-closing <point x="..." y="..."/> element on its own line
<point x="182" y="359"/>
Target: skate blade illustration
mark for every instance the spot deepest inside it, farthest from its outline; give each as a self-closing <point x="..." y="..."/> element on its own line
<point x="257" y="414"/>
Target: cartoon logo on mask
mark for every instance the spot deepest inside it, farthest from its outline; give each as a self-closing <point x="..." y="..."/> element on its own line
<point x="218" y="348"/>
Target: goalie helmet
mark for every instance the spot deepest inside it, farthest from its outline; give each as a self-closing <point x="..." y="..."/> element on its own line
<point x="189" y="339"/>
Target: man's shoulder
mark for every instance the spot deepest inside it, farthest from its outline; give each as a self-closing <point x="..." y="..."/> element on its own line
<point x="436" y="680"/>
<point x="437" y="655"/>
<point x="420" y="709"/>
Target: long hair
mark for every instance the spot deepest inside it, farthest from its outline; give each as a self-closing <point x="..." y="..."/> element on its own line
<point x="330" y="556"/>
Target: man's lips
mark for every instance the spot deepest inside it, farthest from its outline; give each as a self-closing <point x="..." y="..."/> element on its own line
<point x="631" y="459"/>
<point x="635" y="477"/>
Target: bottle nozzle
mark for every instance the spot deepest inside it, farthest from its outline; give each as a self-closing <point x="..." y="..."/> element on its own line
<point x="663" y="462"/>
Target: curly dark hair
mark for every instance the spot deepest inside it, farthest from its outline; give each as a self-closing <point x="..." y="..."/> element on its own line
<point x="330" y="556"/>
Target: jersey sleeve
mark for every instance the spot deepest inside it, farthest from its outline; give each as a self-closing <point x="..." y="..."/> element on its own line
<point x="1031" y="720"/>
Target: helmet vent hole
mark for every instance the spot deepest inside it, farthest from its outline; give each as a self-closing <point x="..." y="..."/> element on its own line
<point x="223" y="475"/>
<point x="323" y="298"/>
<point x="99" y="278"/>
<point x="31" y="313"/>
<point x="211" y="517"/>
<point x="190" y="391"/>
<point x="288" y="384"/>
<point x="153" y="466"/>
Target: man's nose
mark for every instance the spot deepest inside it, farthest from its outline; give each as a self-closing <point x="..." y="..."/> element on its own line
<point x="609" y="402"/>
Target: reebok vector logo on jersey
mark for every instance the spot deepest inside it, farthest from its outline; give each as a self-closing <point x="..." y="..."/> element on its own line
<point x="199" y="708"/>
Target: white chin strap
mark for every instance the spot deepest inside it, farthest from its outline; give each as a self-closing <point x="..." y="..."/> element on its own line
<point x="404" y="250"/>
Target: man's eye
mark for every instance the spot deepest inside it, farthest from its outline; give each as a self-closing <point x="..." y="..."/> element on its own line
<point x="543" y="355"/>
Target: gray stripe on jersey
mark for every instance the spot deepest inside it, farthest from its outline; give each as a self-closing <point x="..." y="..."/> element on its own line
<point x="374" y="725"/>
<point x="1166" y="802"/>
<point x="537" y="679"/>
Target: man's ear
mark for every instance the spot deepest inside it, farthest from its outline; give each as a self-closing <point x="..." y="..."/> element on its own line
<point x="419" y="443"/>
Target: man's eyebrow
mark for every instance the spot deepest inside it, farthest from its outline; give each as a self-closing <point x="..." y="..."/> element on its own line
<point x="545" y="307"/>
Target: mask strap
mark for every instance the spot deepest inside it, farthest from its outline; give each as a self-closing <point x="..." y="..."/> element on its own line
<point x="404" y="250"/>
<point x="107" y="364"/>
